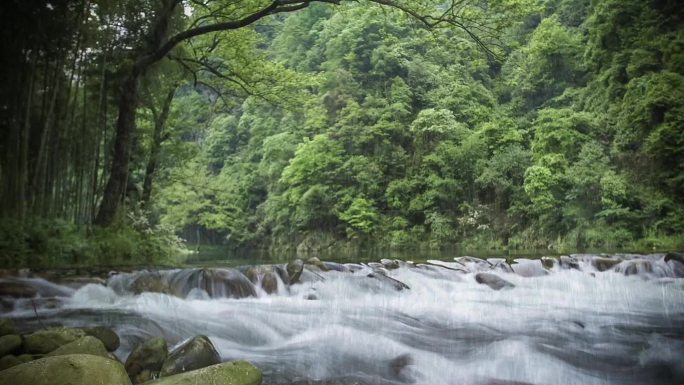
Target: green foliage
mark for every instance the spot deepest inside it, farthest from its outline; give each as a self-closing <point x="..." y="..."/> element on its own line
<point x="364" y="129"/>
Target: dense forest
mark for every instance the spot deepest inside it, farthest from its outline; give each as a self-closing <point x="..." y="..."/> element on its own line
<point x="521" y="124"/>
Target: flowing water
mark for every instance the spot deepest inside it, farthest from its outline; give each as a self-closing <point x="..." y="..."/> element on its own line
<point x="569" y="324"/>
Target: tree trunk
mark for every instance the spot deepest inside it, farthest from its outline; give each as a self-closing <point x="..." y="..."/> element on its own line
<point x="125" y="127"/>
<point x="157" y="141"/>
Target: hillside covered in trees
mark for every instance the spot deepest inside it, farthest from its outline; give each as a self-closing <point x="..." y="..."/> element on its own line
<point x="519" y="124"/>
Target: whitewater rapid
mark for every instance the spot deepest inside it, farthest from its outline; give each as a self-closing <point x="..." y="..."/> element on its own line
<point x="555" y="326"/>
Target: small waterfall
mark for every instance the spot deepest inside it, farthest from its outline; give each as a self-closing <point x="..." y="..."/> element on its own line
<point x="576" y="319"/>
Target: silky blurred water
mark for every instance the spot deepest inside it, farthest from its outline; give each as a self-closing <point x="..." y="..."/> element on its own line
<point x="566" y="326"/>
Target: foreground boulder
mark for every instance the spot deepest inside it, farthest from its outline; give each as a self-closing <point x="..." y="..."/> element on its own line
<point x="9" y="344"/>
<point x="493" y="281"/>
<point x="7" y="327"/>
<point x="9" y="361"/>
<point x="227" y="373"/>
<point x="107" y="336"/>
<point x="196" y="353"/>
<point x="84" y="345"/>
<point x="77" y="369"/>
<point x="146" y="360"/>
<point x="46" y="340"/>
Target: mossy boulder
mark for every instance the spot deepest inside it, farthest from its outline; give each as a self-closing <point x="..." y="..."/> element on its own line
<point x="107" y="336"/>
<point x="46" y="340"/>
<point x="227" y="373"/>
<point x="76" y="369"/>
<point x="9" y="361"/>
<point x="25" y="358"/>
<point x="83" y="345"/>
<point x="294" y="270"/>
<point x="196" y="353"/>
<point x="146" y="359"/>
<point x="9" y="344"/>
<point x="7" y="327"/>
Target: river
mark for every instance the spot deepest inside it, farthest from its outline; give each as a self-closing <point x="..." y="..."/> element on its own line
<point x="563" y="324"/>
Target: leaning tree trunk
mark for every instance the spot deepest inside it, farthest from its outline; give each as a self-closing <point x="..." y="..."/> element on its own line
<point x="125" y="127"/>
<point x="157" y="141"/>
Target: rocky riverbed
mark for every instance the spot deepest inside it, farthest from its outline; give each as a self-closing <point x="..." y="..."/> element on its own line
<point x="575" y="319"/>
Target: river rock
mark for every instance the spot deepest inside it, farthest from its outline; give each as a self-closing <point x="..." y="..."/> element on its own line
<point x="83" y="345"/>
<point x="394" y="283"/>
<point x="568" y="262"/>
<point x="149" y="282"/>
<point x="227" y="373"/>
<point x="269" y="282"/>
<point x="17" y="289"/>
<point x="107" y="336"/>
<point x="603" y="264"/>
<point x="493" y="281"/>
<point x="223" y="283"/>
<point x="76" y="369"/>
<point x="9" y="344"/>
<point x="390" y="264"/>
<point x="9" y="361"/>
<point x="549" y="262"/>
<point x="294" y="270"/>
<point x="679" y="257"/>
<point x="7" y="327"/>
<point x="146" y="359"/>
<point x="398" y="363"/>
<point x="196" y="353"/>
<point x="46" y="340"/>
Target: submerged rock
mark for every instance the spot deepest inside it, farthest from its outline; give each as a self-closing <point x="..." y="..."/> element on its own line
<point x="528" y="268"/>
<point x="83" y="345"/>
<point x="493" y="281"/>
<point x="568" y="262"/>
<point x="196" y="353"/>
<point x="549" y="262"/>
<point x="398" y="363"/>
<point x="635" y="267"/>
<point x="46" y="340"/>
<point x="107" y="336"/>
<point x="227" y="373"/>
<point x="395" y="283"/>
<point x="76" y="369"/>
<point x="146" y="359"/>
<point x="9" y="344"/>
<point x="603" y="264"/>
